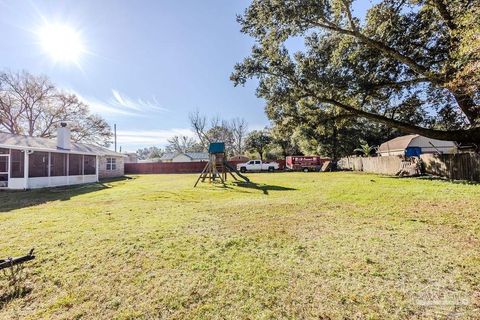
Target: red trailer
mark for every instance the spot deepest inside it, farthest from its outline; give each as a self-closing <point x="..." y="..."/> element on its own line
<point x="305" y="163"/>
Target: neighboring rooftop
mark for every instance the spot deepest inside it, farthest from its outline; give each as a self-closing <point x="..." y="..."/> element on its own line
<point x="9" y="140"/>
<point x="191" y="155"/>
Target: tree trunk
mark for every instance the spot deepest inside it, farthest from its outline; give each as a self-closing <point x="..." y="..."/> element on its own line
<point x="468" y="107"/>
<point x="335" y="143"/>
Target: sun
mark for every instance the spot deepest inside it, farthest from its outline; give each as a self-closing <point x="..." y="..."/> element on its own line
<point x="61" y="42"/>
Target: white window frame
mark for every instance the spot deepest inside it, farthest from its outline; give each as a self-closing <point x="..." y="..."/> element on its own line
<point x="111" y="164"/>
<point x="7" y="173"/>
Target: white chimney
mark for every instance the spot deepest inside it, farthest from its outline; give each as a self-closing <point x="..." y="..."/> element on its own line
<point x="63" y="136"/>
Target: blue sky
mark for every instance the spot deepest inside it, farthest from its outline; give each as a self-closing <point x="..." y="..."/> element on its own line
<point x="148" y="63"/>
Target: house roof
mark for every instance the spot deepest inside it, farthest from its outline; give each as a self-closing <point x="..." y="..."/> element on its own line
<point x="399" y="143"/>
<point x="13" y="141"/>
<point x="197" y="155"/>
<point x="168" y="156"/>
<point x="191" y="155"/>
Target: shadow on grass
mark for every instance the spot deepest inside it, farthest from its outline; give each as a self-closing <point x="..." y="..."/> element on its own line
<point x="13" y="200"/>
<point x="5" y="298"/>
<point x="265" y="188"/>
<point x="436" y="178"/>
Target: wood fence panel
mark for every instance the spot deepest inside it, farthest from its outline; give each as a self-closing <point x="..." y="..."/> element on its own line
<point x="390" y="165"/>
<point x="462" y="166"/>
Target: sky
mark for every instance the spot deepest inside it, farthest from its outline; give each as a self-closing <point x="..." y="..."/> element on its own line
<point x="144" y="65"/>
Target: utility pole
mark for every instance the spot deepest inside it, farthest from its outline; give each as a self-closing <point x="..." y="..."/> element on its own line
<point x="115" y="135"/>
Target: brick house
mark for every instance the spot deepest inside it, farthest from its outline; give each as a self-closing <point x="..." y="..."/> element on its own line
<point x="33" y="162"/>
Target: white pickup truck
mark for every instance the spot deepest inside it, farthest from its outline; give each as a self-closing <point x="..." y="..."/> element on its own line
<point x="257" y="165"/>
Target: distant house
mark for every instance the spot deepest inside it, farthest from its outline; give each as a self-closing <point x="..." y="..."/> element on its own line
<point x="131" y="157"/>
<point x="415" y="145"/>
<point x="149" y="160"/>
<point x="184" y="157"/>
<point x="32" y="162"/>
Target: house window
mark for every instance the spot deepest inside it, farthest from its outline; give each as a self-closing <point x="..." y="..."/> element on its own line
<point x="58" y="164"/>
<point x="38" y="165"/>
<point x="111" y="164"/>
<point x="75" y="163"/>
<point x="89" y="165"/>
<point x="17" y="163"/>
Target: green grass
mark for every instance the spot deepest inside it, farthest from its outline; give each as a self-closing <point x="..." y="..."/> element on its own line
<point x="293" y="246"/>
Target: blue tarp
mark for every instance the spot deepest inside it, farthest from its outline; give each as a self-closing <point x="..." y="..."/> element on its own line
<point x="413" y="151"/>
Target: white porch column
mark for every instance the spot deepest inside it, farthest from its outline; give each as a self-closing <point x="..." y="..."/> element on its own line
<point x="68" y="169"/>
<point x="49" y="168"/>
<point x="97" y="165"/>
<point x="25" y="169"/>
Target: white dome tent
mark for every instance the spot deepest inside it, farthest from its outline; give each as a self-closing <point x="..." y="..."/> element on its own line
<point x="415" y="145"/>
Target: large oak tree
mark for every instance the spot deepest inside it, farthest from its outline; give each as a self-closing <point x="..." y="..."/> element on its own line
<point x="406" y="59"/>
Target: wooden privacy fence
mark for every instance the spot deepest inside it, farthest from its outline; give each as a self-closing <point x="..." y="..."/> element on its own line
<point x="390" y="165"/>
<point x="174" y="167"/>
<point x="463" y="166"/>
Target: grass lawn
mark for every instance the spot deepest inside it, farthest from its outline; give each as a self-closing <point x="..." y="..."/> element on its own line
<point x="294" y="246"/>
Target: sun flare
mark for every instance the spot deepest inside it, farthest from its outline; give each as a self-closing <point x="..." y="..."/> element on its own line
<point x="61" y="42"/>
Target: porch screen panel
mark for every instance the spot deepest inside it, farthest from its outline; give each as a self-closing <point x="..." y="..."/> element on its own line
<point x="89" y="165"/>
<point x="3" y="151"/>
<point x="75" y="165"/>
<point x="3" y="164"/>
<point x="17" y="164"/>
<point x="58" y="164"/>
<point x="38" y="165"/>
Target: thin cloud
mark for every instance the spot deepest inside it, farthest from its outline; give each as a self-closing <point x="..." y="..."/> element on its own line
<point x="97" y="106"/>
<point x="123" y="101"/>
<point x="120" y="104"/>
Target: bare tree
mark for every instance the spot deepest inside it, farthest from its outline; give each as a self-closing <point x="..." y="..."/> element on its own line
<point x="219" y="130"/>
<point x="199" y="125"/>
<point x="239" y="128"/>
<point x="31" y="105"/>
<point x="22" y="97"/>
<point x="183" y="144"/>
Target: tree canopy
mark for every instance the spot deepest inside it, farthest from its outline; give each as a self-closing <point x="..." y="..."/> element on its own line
<point x="258" y="141"/>
<point x="413" y="65"/>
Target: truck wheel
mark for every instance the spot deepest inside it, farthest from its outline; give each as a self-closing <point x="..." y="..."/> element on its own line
<point x="243" y="169"/>
<point x="305" y="169"/>
<point x="271" y="169"/>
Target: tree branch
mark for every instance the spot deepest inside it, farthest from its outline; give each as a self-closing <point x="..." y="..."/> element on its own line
<point x="468" y="135"/>
<point x="349" y="15"/>
<point x="398" y="84"/>
<point x="389" y="51"/>
<point x="446" y="16"/>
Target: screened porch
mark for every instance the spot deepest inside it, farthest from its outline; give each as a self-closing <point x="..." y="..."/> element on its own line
<point x="25" y="169"/>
